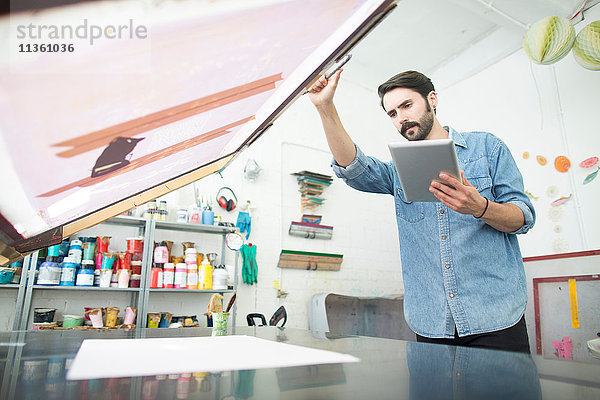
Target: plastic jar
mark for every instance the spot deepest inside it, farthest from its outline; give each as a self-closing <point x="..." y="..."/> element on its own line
<point x="169" y="276"/>
<point x="75" y="250"/>
<point x="135" y="281"/>
<point x="180" y="276"/>
<point x="69" y="272"/>
<point x="136" y="267"/>
<point x="219" y="278"/>
<point x="192" y="276"/>
<point x="161" y="254"/>
<point x="85" y="277"/>
<point x="156" y="278"/>
<point x="191" y="256"/>
<point x="49" y="273"/>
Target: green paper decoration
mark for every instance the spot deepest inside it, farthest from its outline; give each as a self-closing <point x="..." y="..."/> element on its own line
<point x="586" y="48"/>
<point x="549" y="39"/>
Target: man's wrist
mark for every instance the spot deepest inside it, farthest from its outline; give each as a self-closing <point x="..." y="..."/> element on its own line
<point x="483" y="209"/>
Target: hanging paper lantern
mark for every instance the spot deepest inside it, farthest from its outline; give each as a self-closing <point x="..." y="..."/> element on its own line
<point x="586" y="48"/>
<point x="549" y="40"/>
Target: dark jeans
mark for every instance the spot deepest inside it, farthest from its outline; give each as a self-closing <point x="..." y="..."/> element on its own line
<point x="514" y="338"/>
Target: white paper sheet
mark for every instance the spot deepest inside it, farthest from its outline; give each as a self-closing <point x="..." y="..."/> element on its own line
<point x="140" y="357"/>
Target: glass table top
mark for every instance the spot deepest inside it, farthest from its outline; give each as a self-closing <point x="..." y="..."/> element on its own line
<point x="34" y="365"/>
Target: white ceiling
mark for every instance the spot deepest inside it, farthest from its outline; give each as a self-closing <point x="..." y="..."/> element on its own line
<point x="448" y="40"/>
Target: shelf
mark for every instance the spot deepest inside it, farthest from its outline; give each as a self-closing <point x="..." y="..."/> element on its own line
<point x="192" y="291"/>
<point x="9" y="286"/>
<point x="180" y="226"/>
<point x="86" y="288"/>
<point x="126" y="221"/>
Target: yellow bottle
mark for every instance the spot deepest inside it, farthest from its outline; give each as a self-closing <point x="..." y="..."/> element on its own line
<point x="205" y="272"/>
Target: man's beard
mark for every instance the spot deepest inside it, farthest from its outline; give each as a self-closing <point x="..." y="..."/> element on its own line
<point x="423" y="127"/>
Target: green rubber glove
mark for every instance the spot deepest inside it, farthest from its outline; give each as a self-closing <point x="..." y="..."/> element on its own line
<point x="249" y="267"/>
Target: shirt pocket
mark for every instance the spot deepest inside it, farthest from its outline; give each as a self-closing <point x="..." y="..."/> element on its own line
<point x="407" y="210"/>
<point x="483" y="184"/>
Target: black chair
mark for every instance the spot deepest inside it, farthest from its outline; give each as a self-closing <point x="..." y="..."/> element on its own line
<point x="280" y="314"/>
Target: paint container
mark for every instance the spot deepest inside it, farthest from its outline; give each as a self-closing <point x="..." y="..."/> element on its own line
<point x="192" y="276"/>
<point x="43" y="314"/>
<point x="205" y="279"/>
<point x="212" y="258"/>
<point x="6" y="275"/>
<point x="130" y="313"/>
<point x="219" y="278"/>
<point x="75" y="251"/>
<point x="102" y="242"/>
<point x="63" y="249"/>
<point x="123" y="278"/>
<point x="89" y="247"/>
<point x="194" y="215"/>
<point x="180" y="276"/>
<point x="108" y="261"/>
<point x="68" y="272"/>
<point x="105" y="276"/>
<point x="39" y="326"/>
<point x="97" y="273"/>
<point x="99" y="258"/>
<point x="111" y="316"/>
<point x="182" y="215"/>
<point x="165" y="320"/>
<point x="191" y="255"/>
<point x="135" y="244"/>
<point x="219" y="324"/>
<point x="161" y="253"/>
<point x="136" y="267"/>
<point x="169" y="276"/>
<point x="208" y="217"/>
<point x="153" y="320"/>
<point x="49" y="272"/>
<point x="70" y="321"/>
<point x="156" y="278"/>
<point x="18" y="270"/>
<point x="114" y="279"/>
<point x="187" y="245"/>
<point x="95" y="315"/>
<point x="135" y="280"/>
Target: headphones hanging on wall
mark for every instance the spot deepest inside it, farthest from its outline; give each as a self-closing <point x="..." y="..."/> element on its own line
<point x="224" y="202"/>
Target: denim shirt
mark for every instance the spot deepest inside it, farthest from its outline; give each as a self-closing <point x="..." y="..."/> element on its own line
<point x="457" y="270"/>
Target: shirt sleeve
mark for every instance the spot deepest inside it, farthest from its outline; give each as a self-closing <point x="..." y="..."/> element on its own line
<point x="366" y="174"/>
<point x="507" y="184"/>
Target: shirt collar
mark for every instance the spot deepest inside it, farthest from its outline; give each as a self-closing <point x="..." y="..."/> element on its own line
<point x="458" y="138"/>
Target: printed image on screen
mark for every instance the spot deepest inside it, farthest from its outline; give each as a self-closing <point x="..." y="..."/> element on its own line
<point x="149" y="92"/>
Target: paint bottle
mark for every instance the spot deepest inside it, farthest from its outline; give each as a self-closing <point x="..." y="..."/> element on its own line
<point x="156" y="277"/>
<point x="206" y="271"/>
<point x="75" y="250"/>
<point x="68" y="272"/>
<point x="180" y="276"/>
<point x="192" y="276"/>
<point x="169" y="276"/>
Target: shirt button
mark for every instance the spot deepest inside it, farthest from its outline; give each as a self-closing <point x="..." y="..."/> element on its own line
<point x="451" y="295"/>
<point x="441" y="211"/>
<point x="447" y="266"/>
<point x="443" y="237"/>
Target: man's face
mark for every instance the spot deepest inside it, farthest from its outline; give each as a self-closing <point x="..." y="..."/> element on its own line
<point x="410" y="113"/>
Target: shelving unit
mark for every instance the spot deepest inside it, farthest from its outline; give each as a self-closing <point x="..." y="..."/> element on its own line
<point x="139" y="296"/>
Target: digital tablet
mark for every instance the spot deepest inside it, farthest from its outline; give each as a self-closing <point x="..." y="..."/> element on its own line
<point x="421" y="161"/>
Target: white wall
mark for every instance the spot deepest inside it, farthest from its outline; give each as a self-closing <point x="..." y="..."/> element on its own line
<point x="545" y="110"/>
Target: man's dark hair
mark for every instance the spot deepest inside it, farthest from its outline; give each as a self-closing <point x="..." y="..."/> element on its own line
<point x="408" y="79"/>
